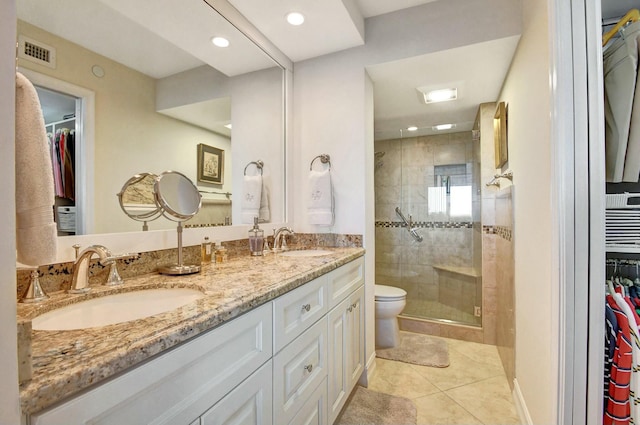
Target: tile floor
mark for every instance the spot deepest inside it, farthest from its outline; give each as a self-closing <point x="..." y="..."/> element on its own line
<point x="472" y="390"/>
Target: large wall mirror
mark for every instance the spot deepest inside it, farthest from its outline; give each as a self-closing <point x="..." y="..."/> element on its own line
<point x="145" y="86"/>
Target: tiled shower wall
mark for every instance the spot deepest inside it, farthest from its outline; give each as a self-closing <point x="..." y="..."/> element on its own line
<point x="441" y="274"/>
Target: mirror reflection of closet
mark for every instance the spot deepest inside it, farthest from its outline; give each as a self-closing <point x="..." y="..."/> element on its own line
<point x="59" y="111"/>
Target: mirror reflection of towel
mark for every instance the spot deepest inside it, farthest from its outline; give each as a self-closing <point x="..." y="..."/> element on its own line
<point x="36" y="233"/>
<point x="320" y="210"/>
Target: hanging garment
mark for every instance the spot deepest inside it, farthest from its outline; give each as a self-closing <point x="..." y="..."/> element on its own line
<point x="618" y="406"/>
<point x="620" y="62"/>
<point x="611" y="330"/>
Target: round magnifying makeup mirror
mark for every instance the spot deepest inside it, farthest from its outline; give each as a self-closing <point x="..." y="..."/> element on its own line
<point x="179" y="200"/>
<point x="137" y="199"/>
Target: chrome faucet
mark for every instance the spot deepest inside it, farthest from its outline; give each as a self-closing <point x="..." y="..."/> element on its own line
<point x="80" y="281"/>
<point x="277" y="235"/>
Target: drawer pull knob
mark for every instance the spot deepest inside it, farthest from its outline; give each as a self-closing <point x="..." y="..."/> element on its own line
<point x="306" y="307"/>
<point x="350" y="309"/>
<point x="354" y="305"/>
<point x="308" y="368"/>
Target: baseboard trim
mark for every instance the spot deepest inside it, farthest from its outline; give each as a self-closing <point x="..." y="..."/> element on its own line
<point x="369" y="370"/>
<point x="521" y="406"/>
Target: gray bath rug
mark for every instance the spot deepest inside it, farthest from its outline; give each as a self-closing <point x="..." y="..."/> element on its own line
<point x="366" y="407"/>
<point x="418" y="349"/>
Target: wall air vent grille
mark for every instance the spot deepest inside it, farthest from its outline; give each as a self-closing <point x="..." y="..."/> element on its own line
<point x="36" y="51"/>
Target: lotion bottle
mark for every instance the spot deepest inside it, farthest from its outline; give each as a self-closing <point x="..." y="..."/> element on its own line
<point x="256" y="239"/>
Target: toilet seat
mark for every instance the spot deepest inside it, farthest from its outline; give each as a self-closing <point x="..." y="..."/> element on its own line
<point x="389" y="293"/>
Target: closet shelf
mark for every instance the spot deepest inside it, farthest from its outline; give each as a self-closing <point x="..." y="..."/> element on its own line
<point x="623" y="248"/>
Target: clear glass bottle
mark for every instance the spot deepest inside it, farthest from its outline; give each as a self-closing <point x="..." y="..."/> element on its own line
<point x="206" y="250"/>
<point x="256" y="238"/>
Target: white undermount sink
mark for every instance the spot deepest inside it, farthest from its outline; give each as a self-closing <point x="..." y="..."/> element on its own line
<point x="116" y="308"/>
<point x="305" y="253"/>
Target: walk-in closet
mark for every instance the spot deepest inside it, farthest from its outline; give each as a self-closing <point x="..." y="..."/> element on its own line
<point x="621" y="369"/>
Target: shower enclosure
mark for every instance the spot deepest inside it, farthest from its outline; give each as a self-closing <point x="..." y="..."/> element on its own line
<point x="428" y="233"/>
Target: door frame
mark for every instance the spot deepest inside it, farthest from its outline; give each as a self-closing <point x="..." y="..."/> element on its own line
<point x="85" y="132"/>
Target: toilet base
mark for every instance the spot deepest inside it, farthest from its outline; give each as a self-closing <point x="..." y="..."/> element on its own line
<point x="387" y="333"/>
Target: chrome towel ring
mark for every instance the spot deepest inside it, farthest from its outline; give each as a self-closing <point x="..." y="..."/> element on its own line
<point x="324" y="158"/>
<point x="259" y="165"/>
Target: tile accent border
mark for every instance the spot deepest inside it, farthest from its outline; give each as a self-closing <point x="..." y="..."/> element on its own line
<point x="504" y="232"/>
<point x="429" y="224"/>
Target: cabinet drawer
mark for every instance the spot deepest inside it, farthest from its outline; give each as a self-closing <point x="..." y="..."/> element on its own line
<point x="314" y="411"/>
<point x="295" y="311"/>
<point x="249" y="403"/>
<point x="298" y="370"/>
<point x="177" y="387"/>
<point x="344" y="280"/>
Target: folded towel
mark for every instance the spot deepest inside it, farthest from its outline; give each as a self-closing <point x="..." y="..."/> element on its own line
<point x="251" y="197"/>
<point x="320" y="209"/>
<point x="264" y="215"/>
<point x="36" y="234"/>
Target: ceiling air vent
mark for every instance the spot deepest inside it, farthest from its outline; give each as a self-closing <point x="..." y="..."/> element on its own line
<point x="36" y="51"/>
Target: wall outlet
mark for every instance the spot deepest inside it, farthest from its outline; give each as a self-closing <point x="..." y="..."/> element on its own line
<point x="477" y="311"/>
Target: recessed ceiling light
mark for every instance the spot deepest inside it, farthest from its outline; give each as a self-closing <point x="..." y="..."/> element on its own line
<point x="441" y="95"/>
<point x="412" y="128"/>
<point x="441" y="127"/>
<point x="220" y="41"/>
<point x="295" y="18"/>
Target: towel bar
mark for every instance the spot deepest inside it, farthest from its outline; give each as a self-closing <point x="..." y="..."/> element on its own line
<point x="324" y="158"/>
<point x="259" y="164"/>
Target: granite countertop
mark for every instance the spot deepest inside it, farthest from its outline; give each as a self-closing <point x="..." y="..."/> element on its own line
<point x="66" y="362"/>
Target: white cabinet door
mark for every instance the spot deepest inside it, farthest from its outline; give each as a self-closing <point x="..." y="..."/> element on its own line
<point x="314" y="411"/>
<point x="355" y="336"/>
<point x="250" y="403"/>
<point x="346" y="350"/>
<point x="178" y="386"/>
<point x="298" y="370"/>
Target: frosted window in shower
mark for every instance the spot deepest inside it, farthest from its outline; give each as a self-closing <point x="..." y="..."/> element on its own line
<point x="437" y="199"/>
<point x="460" y="201"/>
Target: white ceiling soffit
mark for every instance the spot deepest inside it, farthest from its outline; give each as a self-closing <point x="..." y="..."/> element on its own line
<point x="329" y="25"/>
<point x="370" y="8"/>
<point x="200" y="114"/>
<point x="477" y="70"/>
<point x="158" y="38"/>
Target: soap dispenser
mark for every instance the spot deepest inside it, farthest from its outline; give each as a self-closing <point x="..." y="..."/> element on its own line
<point x="256" y="238"/>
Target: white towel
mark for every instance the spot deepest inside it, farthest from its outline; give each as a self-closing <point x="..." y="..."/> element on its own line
<point x="264" y="215"/>
<point x="36" y="233"/>
<point x="320" y="209"/>
<point x="251" y="197"/>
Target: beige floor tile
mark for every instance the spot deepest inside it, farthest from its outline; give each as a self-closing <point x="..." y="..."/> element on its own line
<point x="481" y="353"/>
<point x="400" y="379"/>
<point x="489" y="400"/>
<point x="440" y="409"/>
<point x="461" y="371"/>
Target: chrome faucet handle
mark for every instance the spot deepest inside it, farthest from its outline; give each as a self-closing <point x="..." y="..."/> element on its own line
<point x="77" y="248"/>
<point x="34" y="293"/>
<point x="114" y="277"/>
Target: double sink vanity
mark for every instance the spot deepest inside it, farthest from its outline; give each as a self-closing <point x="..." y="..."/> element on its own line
<point x="277" y="339"/>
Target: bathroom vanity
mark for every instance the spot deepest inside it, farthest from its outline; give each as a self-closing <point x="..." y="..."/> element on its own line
<point x="275" y="340"/>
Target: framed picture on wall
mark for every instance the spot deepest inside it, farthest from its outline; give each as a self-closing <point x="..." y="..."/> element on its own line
<point x="500" y="135"/>
<point x="210" y="164"/>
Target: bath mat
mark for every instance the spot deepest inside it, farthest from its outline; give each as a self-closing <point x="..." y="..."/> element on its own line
<point x="366" y="407"/>
<point x="418" y="349"/>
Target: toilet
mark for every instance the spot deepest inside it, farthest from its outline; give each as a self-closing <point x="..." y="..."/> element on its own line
<point x="390" y="302"/>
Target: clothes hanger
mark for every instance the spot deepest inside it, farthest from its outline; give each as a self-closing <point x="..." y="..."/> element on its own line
<point x="632" y="16"/>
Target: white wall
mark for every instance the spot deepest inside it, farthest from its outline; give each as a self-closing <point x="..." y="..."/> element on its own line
<point x="9" y="401"/>
<point x="527" y="91"/>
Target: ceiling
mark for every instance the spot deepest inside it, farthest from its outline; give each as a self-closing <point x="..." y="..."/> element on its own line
<point x="330" y="26"/>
